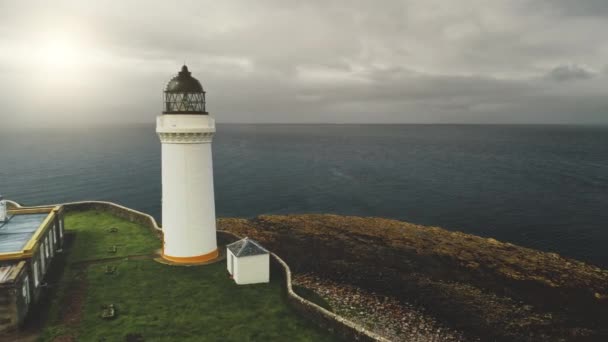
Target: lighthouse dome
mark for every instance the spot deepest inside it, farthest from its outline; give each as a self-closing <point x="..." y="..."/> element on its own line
<point x="183" y="82"/>
<point x="184" y="94"/>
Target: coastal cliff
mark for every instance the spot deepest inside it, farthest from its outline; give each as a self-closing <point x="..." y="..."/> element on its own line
<point x="482" y="288"/>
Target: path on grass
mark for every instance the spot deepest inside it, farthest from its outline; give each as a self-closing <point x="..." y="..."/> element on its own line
<point x="85" y="263"/>
<point x="72" y="313"/>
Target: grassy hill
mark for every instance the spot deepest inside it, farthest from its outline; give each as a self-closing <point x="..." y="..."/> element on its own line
<point x="156" y="302"/>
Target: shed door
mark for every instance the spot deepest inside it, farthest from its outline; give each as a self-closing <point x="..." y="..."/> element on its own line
<point x="231" y="264"/>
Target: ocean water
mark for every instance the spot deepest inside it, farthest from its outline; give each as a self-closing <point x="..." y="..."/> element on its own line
<point x="544" y="187"/>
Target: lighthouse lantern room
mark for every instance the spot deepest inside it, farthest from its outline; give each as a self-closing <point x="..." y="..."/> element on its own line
<point x="186" y="131"/>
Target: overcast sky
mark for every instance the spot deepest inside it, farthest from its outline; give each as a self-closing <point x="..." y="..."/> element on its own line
<point x="382" y="61"/>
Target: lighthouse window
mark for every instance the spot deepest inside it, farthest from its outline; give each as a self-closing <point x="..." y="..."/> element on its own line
<point x="184" y="102"/>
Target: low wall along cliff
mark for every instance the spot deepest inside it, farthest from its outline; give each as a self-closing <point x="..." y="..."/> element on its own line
<point x="325" y="319"/>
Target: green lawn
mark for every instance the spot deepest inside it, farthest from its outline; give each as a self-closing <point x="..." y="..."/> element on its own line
<point x="92" y="239"/>
<point x="160" y="302"/>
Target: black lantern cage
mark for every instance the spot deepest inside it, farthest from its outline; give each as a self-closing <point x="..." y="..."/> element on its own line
<point x="185" y="103"/>
<point x="184" y="94"/>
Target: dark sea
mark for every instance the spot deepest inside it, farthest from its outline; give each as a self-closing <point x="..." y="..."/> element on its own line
<point x="544" y="187"/>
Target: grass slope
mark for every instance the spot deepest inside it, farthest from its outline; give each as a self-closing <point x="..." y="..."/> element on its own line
<point x="92" y="239"/>
<point x="162" y="303"/>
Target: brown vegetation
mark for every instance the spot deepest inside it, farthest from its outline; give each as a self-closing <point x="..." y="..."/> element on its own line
<point x="485" y="288"/>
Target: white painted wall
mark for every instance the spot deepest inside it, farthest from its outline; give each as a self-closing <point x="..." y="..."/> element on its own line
<point x="188" y="204"/>
<point x="252" y="269"/>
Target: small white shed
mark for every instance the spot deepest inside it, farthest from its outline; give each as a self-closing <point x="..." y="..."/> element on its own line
<point x="248" y="262"/>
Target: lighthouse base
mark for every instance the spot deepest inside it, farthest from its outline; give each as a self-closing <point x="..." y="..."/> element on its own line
<point x="204" y="259"/>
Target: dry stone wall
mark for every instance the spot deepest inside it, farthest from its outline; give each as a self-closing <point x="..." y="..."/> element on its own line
<point x="324" y="318"/>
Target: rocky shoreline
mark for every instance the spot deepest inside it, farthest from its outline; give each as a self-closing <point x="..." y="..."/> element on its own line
<point x="385" y="316"/>
<point x="442" y="285"/>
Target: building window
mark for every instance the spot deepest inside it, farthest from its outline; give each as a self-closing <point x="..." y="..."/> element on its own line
<point x="51" y="243"/>
<point x="52" y="232"/>
<point x="46" y="246"/>
<point x="55" y="234"/>
<point x="26" y="290"/>
<point x="36" y="281"/>
<point x="42" y="258"/>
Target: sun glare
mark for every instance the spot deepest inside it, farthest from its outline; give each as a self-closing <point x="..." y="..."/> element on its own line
<point x="60" y="53"/>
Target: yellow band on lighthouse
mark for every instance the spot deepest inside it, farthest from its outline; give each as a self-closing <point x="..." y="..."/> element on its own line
<point x="192" y="260"/>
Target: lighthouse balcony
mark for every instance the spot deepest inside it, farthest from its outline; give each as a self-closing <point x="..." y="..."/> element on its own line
<point x="185" y="124"/>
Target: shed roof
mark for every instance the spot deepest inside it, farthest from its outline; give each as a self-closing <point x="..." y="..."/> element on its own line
<point x="246" y="247"/>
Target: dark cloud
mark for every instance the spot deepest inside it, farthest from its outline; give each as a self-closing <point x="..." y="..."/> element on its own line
<point x="573" y="8"/>
<point x="569" y="72"/>
<point x="314" y="61"/>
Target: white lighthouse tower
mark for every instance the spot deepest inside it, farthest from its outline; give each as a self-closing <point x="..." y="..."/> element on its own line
<point x="186" y="130"/>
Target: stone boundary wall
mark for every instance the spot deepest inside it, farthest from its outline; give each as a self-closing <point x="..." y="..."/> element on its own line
<point x="324" y="318"/>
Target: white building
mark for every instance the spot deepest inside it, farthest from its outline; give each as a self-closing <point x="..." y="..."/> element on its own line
<point x="186" y="131"/>
<point x="248" y="262"/>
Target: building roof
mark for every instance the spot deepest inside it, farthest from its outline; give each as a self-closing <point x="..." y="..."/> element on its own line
<point x="184" y="83"/>
<point x="18" y="230"/>
<point x="246" y="247"/>
<point x="5" y="272"/>
<point x="9" y="272"/>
